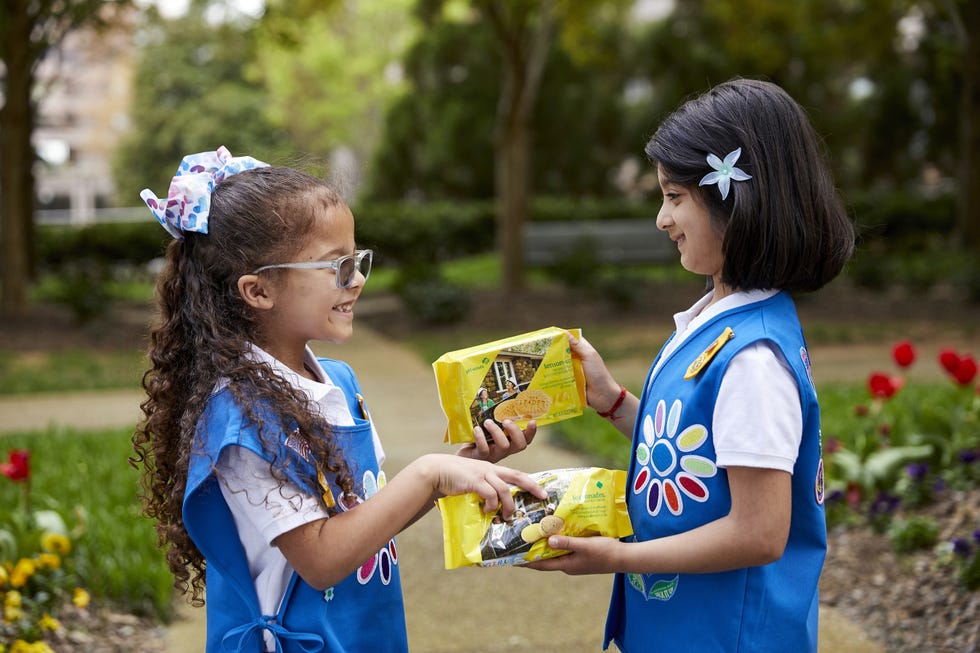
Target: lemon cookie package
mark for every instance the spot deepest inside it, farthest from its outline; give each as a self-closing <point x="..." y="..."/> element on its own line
<point x="523" y="377"/>
<point x="584" y="501"/>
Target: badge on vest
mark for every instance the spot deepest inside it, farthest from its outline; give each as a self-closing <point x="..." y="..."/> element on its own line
<point x="705" y="357"/>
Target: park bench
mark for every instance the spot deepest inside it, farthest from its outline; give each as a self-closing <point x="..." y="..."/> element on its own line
<point x="636" y="241"/>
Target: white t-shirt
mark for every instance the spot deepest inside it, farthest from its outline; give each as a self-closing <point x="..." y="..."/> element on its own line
<point x="261" y="510"/>
<point x="758" y="418"/>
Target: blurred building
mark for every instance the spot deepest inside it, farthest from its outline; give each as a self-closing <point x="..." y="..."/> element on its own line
<point x="85" y="86"/>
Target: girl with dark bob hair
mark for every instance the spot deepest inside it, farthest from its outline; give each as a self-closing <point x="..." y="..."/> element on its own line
<point x="726" y="477"/>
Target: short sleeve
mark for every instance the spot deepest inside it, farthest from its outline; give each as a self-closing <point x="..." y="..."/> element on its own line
<point x="257" y="501"/>
<point x="758" y="418"/>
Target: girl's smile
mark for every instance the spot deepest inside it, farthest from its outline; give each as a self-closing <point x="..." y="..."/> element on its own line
<point x="306" y="304"/>
<point x="688" y="223"/>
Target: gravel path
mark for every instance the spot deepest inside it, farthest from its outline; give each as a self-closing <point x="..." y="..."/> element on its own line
<point x="459" y="611"/>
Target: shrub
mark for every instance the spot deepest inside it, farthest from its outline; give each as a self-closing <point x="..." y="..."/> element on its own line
<point x="434" y="300"/>
<point x="913" y="534"/>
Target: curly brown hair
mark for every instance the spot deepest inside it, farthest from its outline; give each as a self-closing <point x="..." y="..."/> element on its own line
<point x="202" y="334"/>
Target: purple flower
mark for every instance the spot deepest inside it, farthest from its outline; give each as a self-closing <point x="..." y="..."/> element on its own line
<point x="968" y="456"/>
<point x="976" y="536"/>
<point x="917" y="471"/>
<point x="883" y="504"/>
<point x="961" y="547"/>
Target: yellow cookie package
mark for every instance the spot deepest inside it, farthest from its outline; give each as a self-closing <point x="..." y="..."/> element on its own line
<point x="530" y="376"/>
<point x="581" y="501"/>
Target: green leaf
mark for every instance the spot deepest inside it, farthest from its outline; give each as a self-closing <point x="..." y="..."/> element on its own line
<point x="882" y="464"/>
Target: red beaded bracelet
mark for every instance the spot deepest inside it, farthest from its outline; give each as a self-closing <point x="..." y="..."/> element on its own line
<point x="616" y="405"/>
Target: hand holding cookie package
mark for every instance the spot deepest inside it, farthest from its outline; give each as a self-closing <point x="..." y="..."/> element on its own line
<point x="532" y="376"/>
<point x="582" y="502"/>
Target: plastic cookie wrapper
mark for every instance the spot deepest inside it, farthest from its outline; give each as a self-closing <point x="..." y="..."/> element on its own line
<point x="582" y="501"/>
<point x="525" y="377"/>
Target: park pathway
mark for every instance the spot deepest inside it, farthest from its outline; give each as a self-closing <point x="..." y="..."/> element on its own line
<point x="465" y="610"/>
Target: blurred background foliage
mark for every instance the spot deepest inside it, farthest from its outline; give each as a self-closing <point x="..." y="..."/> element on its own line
<point x="411" y="108"/>
<point x="413" y="92"/>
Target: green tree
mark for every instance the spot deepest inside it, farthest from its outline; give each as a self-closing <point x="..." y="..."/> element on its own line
<point x="196" y="88"/>
<point x="524" y="34"/>
<point x="332" y="68"/>
<point x="890" y="84"/>
<point x="437" y="141"/>
<point x="29" y="30"/>
<point x="965" y="17"/>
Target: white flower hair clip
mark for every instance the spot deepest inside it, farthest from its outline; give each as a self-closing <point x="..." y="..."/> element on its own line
<point x="724" y="172"/>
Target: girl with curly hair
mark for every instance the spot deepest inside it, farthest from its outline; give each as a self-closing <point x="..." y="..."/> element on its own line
<point x="261" y="464"/>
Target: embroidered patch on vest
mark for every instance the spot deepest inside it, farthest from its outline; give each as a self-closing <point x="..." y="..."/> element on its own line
<point x="384" y="561"/>
<point x="705" y="357"/>
<point x="805" y="357"/>
<point x="669" y="468"/>
<point x="819" y="489"/>
<point x="661" y="590"/>
<point x="299" y="445"/>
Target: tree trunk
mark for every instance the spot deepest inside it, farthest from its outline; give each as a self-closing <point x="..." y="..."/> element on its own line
<point x="16" y="157"/>
<point x="969" y="118"/>
<point x="524" y="44"/>
<point x="511" y="170"/>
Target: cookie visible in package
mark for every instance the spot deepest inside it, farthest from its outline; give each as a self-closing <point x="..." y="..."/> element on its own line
<point x="524" y="377"/>
<point x="581" y="501"/>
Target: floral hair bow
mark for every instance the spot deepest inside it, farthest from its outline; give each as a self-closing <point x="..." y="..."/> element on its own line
<point x="188" y="201"/>
<point x="724" y="172"/>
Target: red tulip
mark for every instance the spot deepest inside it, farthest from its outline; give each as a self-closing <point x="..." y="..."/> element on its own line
<point x="966" y="371"/>
<point x="903" y="353"/>
<point x="18" y="467"/>
<point x="949" y="359"/>
<point x="963" y="369"/>
<point x="882" y="386"/>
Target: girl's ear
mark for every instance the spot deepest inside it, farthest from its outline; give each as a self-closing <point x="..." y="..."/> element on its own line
<point x="256" y="292"/>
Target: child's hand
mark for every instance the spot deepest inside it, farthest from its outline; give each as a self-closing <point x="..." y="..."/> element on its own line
<point x="458" y="475"/>
<point x="493" y="444"/>
<point x="601" y="388"/>
<point x="588" y="555"/>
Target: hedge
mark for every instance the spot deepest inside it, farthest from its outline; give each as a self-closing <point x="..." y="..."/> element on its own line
<point x="413" y="233"/>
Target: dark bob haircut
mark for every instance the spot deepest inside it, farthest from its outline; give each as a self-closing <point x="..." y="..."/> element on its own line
<point x="785" y="228"/>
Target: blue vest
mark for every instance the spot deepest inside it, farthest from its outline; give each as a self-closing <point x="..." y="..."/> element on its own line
<point x="676" y="486"/>
<point x="364" y="612"/>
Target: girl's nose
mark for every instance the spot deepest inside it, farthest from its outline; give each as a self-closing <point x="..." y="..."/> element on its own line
<point x="663" y="217"/>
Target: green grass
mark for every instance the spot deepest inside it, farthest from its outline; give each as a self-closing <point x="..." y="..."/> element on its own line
<point x="69" y="370"/>
<point x="595" y="438"/>
<point x="85" y="476"/>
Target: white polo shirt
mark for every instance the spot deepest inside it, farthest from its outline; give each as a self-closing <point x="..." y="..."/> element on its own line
<point x="261" y="509"/>
<point x="758" y="418"/>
